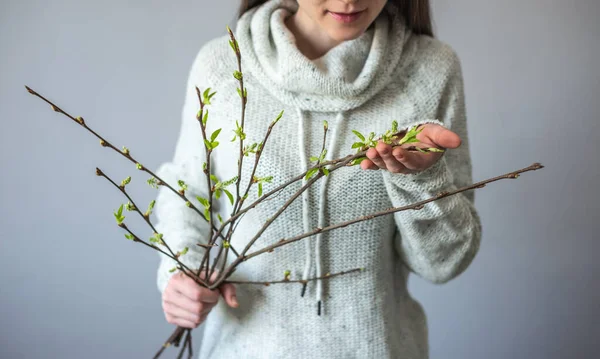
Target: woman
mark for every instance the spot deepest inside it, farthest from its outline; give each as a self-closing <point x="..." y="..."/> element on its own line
<point x="358" y="65"/>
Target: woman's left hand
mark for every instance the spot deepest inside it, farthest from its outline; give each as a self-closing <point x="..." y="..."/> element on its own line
<point x="400" y="160"/>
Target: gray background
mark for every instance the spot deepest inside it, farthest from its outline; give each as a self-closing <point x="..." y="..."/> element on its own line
<point x="72" y="287"/>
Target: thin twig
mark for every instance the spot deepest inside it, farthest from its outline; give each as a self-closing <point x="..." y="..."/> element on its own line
<point x="414" y="206"/>
<point x="302" y="281"/>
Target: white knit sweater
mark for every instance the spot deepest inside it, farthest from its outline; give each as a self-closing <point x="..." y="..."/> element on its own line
<point x="386" y="74"/>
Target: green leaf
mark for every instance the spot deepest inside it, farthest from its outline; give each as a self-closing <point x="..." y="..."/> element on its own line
<point x="129" y="236"/>
<point x="239" y="91"/>
<point x="394" y="126"/>
<point x="220" y="219"/>
<point x="278" y="117"/>
<point x="205" y="93"/>
<point x="313" y="159"/>
<point x="325" y="125"/>
<point x="203" y="201"/>
<point x="215" y="134"/>
<point x="208" y="144"/>
<point x="358" y="145"/>
<point x="207" y="214"/>
<point x="218" y="193"/>
<point x="311" y="173"/>
<point x="359" y="135"/>
<point x="214" y="144"/>
<point x="237" y="75"/>
<point x="229" y="195"/>
<point x="152" y="182"/>
<point x="182" y="185"/>
<point x="172" y="269"/>
<point x="126" y="181"/>
<point x="214" y="178"/>
<point x="184" y="251"/>
<point x="119" y="215"/>
<point x="230" y="182"/>
<point x="129" y="207"/>
<point x="325" y="171"/>
<point x="138" y="166"/>
<point x="260" y="189"/>
<point x="358" y="161"/>
<point x="205" y="118"/>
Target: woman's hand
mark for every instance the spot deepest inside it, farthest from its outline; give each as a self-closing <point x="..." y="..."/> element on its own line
<point x="187" y="304"/>
<point x="400" y="160"/>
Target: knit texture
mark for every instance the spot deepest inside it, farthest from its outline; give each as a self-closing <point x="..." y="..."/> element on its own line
<point x="386" y="74"/>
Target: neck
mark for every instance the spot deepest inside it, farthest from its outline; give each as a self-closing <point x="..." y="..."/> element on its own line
<point x="311" y="40"/>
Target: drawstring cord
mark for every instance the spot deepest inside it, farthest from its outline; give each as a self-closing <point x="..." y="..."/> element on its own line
<point x="331" y="149"/>
<point x="305" y="199"/>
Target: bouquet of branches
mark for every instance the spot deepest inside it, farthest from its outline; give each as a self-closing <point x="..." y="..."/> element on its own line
<point x="221" y="229"/>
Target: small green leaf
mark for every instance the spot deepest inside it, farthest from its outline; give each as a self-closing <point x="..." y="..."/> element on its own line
<point x="239" y="92"/>
<point x="214" y="178"/>
<point x="205" y="118"/>
<point x="230" y="182"/>
<point x="215" y="134"/>
<point x="358" y="145"/>
<point x="214" y="144"/>
<point x="394" y="126"/>
<point x="152" y="182"/>
<point x="125" y="150"/>
<point x="126" y="181"/>
<point x="358" y="161"/>
<point x="208" y="144"/>
<point x="207" y="214"/>
<point x="359" y="135"/>
<point x="310" y="173"/>
<point x="313" y="159"/>
<point x="130" y="207"/>
<point x="325" y="171"/>
<point x="129" y="236"/>
<point x="182" y="185"/>
<point x="229" y="195"/>
<point x="237" y="75"/>
<point x="203" y="201"/>
<point x="220" y="219"/>
<point x="218" y="193"/>
<point x="184" y="251"/>
<point x="325" y="125"/>
<point x="138" y="166"/>
<point x="205" y="93"/>
<point x="278" y="117"/>
<point x="226" y="244"/>
<point x="260" y="189"/>
<point x="172" y="269"/>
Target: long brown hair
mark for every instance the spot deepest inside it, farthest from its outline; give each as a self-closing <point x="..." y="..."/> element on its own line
<point x="416" y="13"/>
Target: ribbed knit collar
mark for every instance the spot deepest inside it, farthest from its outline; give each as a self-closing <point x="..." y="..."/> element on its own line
<point x="344" y="78"/>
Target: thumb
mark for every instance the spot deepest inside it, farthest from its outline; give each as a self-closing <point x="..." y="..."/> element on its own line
<point x="228" y="293"/>
<point x="441" y="136"/>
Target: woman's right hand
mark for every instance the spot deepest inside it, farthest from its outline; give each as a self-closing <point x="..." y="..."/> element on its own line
<point x="187" y="304"/>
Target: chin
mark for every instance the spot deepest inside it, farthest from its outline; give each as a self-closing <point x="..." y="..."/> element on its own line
<point x="346" y="34"/>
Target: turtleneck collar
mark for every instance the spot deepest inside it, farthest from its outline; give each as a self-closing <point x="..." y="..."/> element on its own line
<point x="344" y="78"/>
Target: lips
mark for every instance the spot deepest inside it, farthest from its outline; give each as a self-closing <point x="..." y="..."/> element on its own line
<point x="346" y="17"/>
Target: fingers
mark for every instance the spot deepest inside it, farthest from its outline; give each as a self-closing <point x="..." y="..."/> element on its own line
<point x="193" y="291"/>
<point x="439" y="136"/>
<point x="181" y="301"/>
<point x="177" y="312"/>
<point x="184" y="322"/>
<point x="414" y="161"/>
<point x="228" y="293"/>
<point x="383" y="157"/>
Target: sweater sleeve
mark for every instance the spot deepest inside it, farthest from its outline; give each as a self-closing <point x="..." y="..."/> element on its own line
<point x="180" y="225"/>
<point x="439" y="241"/>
